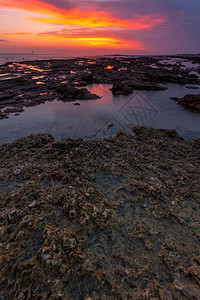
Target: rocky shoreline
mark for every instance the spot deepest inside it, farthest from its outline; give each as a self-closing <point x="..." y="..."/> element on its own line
<point x="28" y="83"/>
<point x="189" y="101"/>
<point x="104" y="219"/>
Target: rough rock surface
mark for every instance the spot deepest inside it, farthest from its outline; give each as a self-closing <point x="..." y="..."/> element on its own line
<point x="127" y="87"/>
<point x="105" y="219"/>
<point x="189" y="101"/>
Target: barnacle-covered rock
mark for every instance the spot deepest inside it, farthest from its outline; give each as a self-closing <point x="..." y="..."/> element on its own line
<point x="105" y="219"/>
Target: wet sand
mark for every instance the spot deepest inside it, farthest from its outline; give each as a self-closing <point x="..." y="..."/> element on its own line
<point x="105" y="219"/>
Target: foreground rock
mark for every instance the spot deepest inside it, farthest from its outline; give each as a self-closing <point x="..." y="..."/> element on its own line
<point x="106" y="219"/>
<point x="189" y="101"/>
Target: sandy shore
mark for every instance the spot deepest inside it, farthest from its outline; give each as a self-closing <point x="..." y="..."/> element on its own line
<point x="103" y="219"/>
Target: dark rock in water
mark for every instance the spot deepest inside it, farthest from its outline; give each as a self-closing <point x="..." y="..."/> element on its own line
<point x="174" y="98"/>
<point x="189" y="101"/>
<point x="192" y="87"/>
<point x="3" y="116"/>
<point x="76" y="103"/>
<point x="12" y="110"/>
<point x="67" y="93"/>
<point x="110" y="125"/>
<point x="127" y="87"/>
<point x="121" y="88"/>
<point x="172" y="133"/>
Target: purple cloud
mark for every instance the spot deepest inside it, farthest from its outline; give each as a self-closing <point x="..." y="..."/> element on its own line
<point x="63" y="4"/>
<point x="179" y="32"/>
<point x="4" y="41"/>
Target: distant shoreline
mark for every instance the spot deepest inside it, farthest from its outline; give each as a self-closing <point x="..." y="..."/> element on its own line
<point x="102" y="55"/>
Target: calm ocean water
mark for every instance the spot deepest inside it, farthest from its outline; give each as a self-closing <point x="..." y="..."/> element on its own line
<point x="14" y="57"/>
<point x="90" y="120"/>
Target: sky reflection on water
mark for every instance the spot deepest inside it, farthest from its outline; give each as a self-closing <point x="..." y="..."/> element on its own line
<point x="90" y="119"/>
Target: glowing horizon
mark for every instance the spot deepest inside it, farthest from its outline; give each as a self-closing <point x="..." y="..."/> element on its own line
<point x="89" y="27"/>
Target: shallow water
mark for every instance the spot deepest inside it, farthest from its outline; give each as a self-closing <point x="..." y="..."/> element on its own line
<point x="4" y="58"/>
<point x="90" y="119"/>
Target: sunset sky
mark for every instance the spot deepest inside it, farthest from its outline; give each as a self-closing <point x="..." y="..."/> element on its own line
<point x="87" y="27"/>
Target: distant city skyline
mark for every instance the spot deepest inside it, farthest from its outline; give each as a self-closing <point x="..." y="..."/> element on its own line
<point x="98" y="27"/>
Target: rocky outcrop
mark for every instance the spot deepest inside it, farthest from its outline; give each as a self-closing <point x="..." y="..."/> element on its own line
<point x="71" y="93"/>
<point x="127" y="87"/>
<point x="189" y="101"/>
<point x="104" y="219"/>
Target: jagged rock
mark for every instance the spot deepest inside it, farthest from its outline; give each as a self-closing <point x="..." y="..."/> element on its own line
<point x="114" y="219"/>
<point x="127" y="87"/>
<point x="72" y="93"/>
<point x="189" y="101"/>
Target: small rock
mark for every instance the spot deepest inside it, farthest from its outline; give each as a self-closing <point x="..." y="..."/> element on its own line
<point x="191" y="87"/>
<point x="110" y="125"/>
<point x="17" y="171"/>
<point x="32" y="204"/>
<point x="72" y="243"/>
<point x="46" y="256"/>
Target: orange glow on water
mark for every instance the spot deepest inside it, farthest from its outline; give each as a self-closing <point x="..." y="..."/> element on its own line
<point x="39" y="82"/>
<point x="109" y="68"/>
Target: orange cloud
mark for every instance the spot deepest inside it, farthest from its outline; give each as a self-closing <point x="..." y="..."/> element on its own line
<point x="78" y="40"/>
<point x="95" y="41"/>
<point x="100" y="19"/>
<point x="31" y="5"/>
<point x="89" y="18"/>
<point x="14" y="34"/>
<point x="94" y="28"/>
